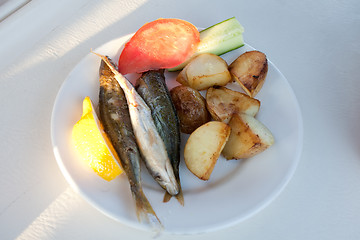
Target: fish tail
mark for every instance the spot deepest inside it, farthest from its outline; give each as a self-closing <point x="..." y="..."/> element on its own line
<point x="144" y="211"/>
<point x="179" y="197"/>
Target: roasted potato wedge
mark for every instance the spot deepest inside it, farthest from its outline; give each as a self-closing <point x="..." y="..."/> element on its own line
<point x="190" y="107"/>
<point x="204" y="71"/>
<point x="204" y="147"/>
<point x="250" y="70"/>
<point x="222" y="103"/>
<point x="248" y="137"/>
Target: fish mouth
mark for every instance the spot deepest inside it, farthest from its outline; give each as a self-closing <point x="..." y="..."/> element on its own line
<point x="172" y="188"/>
<point x="167" y="180"/>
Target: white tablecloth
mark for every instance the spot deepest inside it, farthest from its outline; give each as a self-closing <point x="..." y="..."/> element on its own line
<point x="314" y="43"/>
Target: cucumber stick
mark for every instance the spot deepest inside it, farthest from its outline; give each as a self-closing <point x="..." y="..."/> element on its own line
<point x="218" y="39"/>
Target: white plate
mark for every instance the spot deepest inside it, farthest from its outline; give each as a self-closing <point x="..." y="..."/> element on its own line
<point x="236" y="190"/>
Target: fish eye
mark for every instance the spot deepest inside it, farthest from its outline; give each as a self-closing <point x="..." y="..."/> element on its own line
<point x="157" y="177"/>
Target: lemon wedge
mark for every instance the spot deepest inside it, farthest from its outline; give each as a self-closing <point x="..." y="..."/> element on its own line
<point x="94" y="146"/>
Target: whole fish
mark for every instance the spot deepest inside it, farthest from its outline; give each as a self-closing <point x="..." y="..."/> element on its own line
<point x="114" y="115"/>
<point x="151" y="145"/>
<point x="152" y="88"/>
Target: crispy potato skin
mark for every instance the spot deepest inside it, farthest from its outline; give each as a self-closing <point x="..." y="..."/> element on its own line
<point x="190" y="107"/>
<point x="222" y="103"/>
<point x="250" y="70"/>
<point x="248" y="137"/>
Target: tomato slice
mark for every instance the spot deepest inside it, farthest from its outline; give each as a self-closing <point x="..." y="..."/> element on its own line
<point x="163" y="43"/>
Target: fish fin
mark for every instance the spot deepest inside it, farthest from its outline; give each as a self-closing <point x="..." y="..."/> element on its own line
<point x="179" y="197"/>
<point x="167" y="197"/>
<point x="145" y="213"/>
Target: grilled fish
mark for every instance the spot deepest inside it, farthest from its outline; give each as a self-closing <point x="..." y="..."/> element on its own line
<point x="151" y="146"/>
<point x="152" y="88"/>
<point x="114" y="115"/>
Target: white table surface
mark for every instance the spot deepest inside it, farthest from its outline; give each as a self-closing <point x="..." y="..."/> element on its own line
<point x="314" y="43"/>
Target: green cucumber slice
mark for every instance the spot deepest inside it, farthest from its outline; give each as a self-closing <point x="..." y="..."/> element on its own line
<point x="218" y="39"/>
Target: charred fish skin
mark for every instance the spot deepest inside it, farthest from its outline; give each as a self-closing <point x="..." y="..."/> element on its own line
<point x="151" y="86"/>
<point x="150" y="144"/>
<point x="114" y="115"/>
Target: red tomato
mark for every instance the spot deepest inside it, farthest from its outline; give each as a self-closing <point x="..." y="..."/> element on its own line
<point x="160" y="44"/>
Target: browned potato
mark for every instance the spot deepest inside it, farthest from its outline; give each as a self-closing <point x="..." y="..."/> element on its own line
<point x="204" y="71"/>
<point x="190" y="107"/>
<point x="250" y="70"/>
<point x="182" y="78"/>
<point x="248" y="137"/>
<point x="222" y="103"/>
<point x="204" y="147"/>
